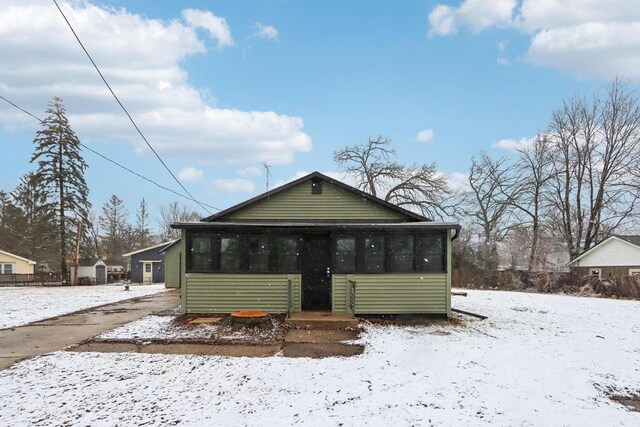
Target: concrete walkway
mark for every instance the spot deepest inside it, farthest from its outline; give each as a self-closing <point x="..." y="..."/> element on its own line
<point x="60" y="332"/>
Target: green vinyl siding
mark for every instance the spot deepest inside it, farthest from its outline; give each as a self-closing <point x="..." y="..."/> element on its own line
<point x="394" y="293"/>
<point x="298" y="203"/>
<point x="228" y="293"/>
<point x="172" y="266"/>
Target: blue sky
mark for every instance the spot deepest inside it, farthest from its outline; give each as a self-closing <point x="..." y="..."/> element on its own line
<point x="223" y="85"/>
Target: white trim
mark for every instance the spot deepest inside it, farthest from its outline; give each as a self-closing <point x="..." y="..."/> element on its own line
<point x="634" y="272"/>
<point x="150" y="261"/>
<point x="598" y="246"/>
<point x="150" y="247"/>
<point x="18" y="257"/>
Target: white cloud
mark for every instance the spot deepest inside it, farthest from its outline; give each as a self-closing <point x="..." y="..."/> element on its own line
<point x="592" y="49"/>
<point x="266" y="31"/>
<point x="249" y="172"/>
<point x="458" y="181"/>
<point x="190" y="174"/>
<point x="216" y="27"/>
<point x="502" y="45"/>
<point x="143" y="64"/>
<point x="425" y="135"/>
<point x="513" y="144"/>
<point x="478" y="15"/>
<point x="586" y="38"/>
<point x="234" y="185"/>
<point x="503" y="61"/>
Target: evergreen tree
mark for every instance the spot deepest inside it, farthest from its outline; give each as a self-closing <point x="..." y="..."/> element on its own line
<point x="115" y="229"/>
<point x="61" y="174"/>
<point x="142" y="232"/>
<point x="10" y="223"/>
<point x="36" y="230"/>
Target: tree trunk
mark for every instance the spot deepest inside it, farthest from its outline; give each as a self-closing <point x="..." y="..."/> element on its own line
<point x="63" y="254"/>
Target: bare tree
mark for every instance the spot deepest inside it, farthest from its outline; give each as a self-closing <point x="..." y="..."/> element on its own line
<point x="488" y="202"/>
<point x="596" y="152"/>
<point x="174" y="212"/>
<point x="415" y="187"/>
<point x="526" y="190"/>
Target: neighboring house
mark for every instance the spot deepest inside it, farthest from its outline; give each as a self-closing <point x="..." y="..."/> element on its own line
<point x="614" y="257"/>
<point x="14" y="264"/>
<point x="173" y="267"/>
<point x="91" y="271"/>
<point x="147" y="265"/>
<point x="304" y="245"/>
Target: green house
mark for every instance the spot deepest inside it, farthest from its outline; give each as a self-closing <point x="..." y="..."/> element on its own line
<point x="314" y="244"/>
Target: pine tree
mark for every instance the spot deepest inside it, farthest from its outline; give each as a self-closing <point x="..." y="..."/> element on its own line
<point x="10" y="223"/>
<point x="142" y="232"/>
<point x="115" y="229"/>
<point x="37" y="229"/>
<point x="61" y="174"/>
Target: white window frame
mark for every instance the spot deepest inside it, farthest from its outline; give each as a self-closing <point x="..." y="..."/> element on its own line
<point x="3" y="267"/>
<point x="597" y="272"/>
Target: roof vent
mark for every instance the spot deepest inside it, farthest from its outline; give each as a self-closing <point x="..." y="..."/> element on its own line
<point x="316" y="186"/>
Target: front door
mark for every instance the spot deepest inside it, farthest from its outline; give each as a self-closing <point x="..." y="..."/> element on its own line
<point x="316" y="273"/>
<point x="147" y="272"/>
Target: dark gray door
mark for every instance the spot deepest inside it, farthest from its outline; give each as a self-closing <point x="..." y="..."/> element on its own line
<point x="101" y="275"/>
<point x="316" y="273"/>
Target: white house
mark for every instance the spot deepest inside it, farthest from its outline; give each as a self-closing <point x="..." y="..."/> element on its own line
<point x="614" y="257"/>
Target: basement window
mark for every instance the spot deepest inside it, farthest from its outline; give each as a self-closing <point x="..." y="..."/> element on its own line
<point x="316" y="186"/>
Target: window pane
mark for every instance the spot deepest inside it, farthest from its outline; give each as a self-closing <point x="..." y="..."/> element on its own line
<point x="430" y="253"/>
<point x="345" y="255"/>
<point x="259" y="253"/>
<point x="374" y="254"/>
<point x="230" y="254"/>
<point x="400" y="254"/>
<point x="202" y="253"/>
<point x="286" y="254"/>
<point x="147" y="268"/>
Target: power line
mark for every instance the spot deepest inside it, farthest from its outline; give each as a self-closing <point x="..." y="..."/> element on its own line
<point x="124" y="109"/>
<point x="113" y="161"/>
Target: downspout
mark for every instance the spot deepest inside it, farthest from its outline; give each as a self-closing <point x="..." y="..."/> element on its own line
<point x="456" y="235"/>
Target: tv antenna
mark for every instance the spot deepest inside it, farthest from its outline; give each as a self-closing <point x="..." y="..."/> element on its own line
<point x="267" y="169"/>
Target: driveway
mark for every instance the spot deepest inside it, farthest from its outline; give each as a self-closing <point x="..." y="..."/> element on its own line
<point x="60" y="332"/>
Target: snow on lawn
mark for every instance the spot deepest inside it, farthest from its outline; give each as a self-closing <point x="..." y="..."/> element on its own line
<point x="22" y="305"/>
<point x="170" y="328"/>
<point x="538" y="360"/>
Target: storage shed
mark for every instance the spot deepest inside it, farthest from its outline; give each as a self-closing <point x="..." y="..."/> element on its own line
<point x="91" y="271"/>
<point x="316" y="244"/>
<point x="147" y="265"/>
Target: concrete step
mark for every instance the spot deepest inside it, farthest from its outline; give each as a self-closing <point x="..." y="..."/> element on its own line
<point x="322" y="320"/>
<point x="319" y="336"/>
<point x="320" y="350"/>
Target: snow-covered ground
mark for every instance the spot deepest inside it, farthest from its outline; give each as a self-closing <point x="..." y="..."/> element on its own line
<point x="165" y="327"/>
<point x="22" y="305"/>
<point x="539" y="360"/>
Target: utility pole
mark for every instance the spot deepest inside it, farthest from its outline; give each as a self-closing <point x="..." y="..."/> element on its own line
<point x="267" y="169"/>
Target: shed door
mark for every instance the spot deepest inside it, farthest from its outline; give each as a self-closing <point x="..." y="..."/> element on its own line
<point x="316" y="273"/>
<point x="147" y="272"/>
<point x="101" y="275"/>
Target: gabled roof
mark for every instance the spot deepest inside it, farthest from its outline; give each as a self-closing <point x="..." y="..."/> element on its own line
<point x="627" y="239"/>
<point x="159" y="245"/>
<point x="342" y="185"/>
<point x="88" y="262"/>
<point x="631" y="238"/>
<point x="17" y="257"/>
<point x="170" y="245"/>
